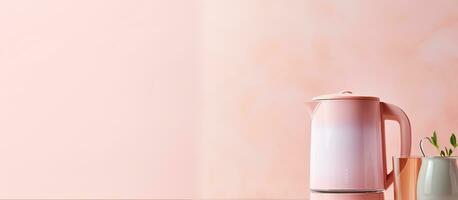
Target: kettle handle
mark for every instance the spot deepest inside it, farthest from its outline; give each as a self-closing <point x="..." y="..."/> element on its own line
<point x="392" y="112"/>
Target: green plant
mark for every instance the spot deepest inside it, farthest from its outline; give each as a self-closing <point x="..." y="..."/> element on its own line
<point x="446" y="152"/>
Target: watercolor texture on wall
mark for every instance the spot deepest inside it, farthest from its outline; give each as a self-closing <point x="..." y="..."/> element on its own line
<point x="264" y="58"/>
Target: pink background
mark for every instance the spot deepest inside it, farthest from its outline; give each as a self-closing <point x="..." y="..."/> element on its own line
<point x="180" y="98"/>
<point x="99" y="99"/>
<point x="264" y="58"/>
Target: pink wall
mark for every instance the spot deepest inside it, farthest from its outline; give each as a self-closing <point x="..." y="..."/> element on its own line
<point x="99" y="99"/>
<point x="264" y="58"/>
<point x="166" y="99"/>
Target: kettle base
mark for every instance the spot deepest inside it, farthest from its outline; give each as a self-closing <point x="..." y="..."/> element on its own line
<point x="346" y="191"/>
<point x="347" y="196"/>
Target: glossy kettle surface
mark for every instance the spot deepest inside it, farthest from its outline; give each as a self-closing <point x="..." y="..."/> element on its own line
<point x="348" y="142"/>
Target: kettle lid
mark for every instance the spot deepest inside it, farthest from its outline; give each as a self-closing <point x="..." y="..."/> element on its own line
<point x="345" y="95"/>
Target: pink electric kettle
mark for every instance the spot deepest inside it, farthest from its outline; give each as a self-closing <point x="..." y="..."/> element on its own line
<point x="348" y="142"/>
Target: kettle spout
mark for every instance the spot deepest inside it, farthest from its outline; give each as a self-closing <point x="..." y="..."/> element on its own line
<point x="311" y="105"/>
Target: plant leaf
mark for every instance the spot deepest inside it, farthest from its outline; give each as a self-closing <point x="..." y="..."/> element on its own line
<point x="453" y="140"/>
<point x="442" y="153"/>
<point x="450" y="152"/>
<point x="434" y="140"/>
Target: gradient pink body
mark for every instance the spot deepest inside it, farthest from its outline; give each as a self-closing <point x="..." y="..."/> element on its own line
<point x="348" y="143"/>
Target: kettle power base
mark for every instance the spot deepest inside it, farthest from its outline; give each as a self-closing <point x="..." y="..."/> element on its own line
<point x="347" y="196"/>
<point x="346" y="191"/>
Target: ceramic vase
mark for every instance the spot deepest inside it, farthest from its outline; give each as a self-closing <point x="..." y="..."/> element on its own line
<point x="438" y="179"/>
